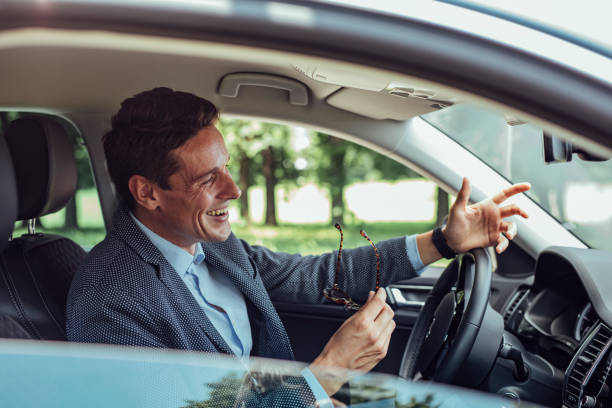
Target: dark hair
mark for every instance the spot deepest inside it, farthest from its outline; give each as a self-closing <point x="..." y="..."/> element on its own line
<point x="147" y="127"/>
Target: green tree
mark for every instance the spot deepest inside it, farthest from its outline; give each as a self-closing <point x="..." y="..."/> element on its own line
<point x="340" y="163"/>
<point x="265" y="158"/>
<point x="222" y="393"/>
<point x="426" y="402"/>
<point x="239" y="139"/>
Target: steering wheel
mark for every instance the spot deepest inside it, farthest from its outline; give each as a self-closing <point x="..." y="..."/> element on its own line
<point x="449" y="322"/>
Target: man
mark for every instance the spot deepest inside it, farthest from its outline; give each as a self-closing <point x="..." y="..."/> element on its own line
<point x="171" y="274"/>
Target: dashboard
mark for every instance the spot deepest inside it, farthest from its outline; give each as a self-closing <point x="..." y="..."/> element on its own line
<point x="565" y="317"/>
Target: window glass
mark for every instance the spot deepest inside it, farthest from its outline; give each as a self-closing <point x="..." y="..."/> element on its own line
<point x="111" y="376"/>
<point x="576" y="193"/>
<point x="297" y="183"/>
<point x="81" y="219"/>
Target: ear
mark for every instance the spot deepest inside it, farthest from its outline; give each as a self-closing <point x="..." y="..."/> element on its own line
<point x="144" y="192"/>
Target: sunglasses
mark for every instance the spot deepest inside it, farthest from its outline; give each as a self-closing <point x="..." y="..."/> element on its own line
<point x="339" y="296"/>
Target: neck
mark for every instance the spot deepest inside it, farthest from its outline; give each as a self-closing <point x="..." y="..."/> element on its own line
<point x="152" y="223"/>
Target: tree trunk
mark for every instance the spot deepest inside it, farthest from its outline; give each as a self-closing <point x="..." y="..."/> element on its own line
<point x="244" y="182"/>
<point x="337" y="189"/>
<point x="70" y="218"/>
<point x="337" y="204"/>
<point x="269" y="167"/>
<point x="442" y="210"/>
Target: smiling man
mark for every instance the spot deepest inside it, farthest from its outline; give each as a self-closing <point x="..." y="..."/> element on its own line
<point x="170" y="273"/>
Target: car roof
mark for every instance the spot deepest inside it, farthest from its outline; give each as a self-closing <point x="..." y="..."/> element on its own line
<point x="89" y="56"/>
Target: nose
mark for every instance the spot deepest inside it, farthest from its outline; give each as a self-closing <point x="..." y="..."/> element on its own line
<point x="229" y="189"/>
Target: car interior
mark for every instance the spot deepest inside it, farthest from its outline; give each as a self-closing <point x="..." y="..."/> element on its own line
<point x="536" y="289"/>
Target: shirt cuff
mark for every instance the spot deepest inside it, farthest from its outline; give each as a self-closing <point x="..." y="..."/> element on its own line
<point x="323" y="400"/>
<point x="413" y="254"/>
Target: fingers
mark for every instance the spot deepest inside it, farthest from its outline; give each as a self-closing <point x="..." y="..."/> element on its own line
<point x="502" y="244"/>
<point x="379" y="347"/>
<point x="512" y="209"/>
<point x="509" y="229"/>
<point x="386" y="314"/>
<point x="510" y="191"/>
<point x="374" y="305"/>
<point x="463" y="196"/>
<point x="385" y="338"/>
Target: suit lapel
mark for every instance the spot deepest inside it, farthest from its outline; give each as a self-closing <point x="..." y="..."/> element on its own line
<point x="126" y="229"/>
<point x="230" y="258"/>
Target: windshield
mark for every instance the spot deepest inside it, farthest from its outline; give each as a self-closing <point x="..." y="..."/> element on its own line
<point x="578" y="193"/>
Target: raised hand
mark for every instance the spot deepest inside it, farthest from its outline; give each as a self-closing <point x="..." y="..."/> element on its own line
<point x="482" y="224"/>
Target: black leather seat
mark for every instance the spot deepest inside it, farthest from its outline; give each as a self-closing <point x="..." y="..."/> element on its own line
<point x="8" y="214"/>
<point x="37" y="268"/>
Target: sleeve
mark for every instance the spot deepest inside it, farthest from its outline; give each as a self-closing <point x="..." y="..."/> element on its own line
<point x="412" y="251"/>
<point x="279" y="391"/>
<point x="295" y="278"/>
<point x="323" y="400"/>
<point x="108" y="315"/>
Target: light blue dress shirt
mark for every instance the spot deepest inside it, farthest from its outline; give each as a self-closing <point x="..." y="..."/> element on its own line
<point x="413" y="254"/>
<point x="216" y="294"/>
<point x="224" y="304"/>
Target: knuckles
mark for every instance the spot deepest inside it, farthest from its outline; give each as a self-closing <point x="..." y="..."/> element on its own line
<point x="362" y="325"/>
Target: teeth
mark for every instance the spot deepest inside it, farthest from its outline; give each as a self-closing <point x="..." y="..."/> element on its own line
<point x="217" y="212"/>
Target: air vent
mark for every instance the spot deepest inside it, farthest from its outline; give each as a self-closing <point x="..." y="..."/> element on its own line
<point x="517" y="299"/>
<point x="584" y="364"/>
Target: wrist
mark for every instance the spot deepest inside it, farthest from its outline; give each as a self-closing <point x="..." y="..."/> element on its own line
<point x="438" y="238"/>
<point x="330" y="377"/>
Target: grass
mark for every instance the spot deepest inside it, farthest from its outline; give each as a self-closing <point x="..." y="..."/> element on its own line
<point x="86" y="237"/>
<point x="317" y="239"/>
<point x="292" y="238"/>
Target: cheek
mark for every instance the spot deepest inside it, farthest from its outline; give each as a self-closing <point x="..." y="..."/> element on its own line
<point x="200" y="204"/>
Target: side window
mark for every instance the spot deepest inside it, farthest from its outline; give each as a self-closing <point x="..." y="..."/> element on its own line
<point x="297" y="183"/>
<point x="81" y="219"/>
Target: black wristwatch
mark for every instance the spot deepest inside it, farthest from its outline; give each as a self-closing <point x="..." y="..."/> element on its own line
<point x="441" y="245"/>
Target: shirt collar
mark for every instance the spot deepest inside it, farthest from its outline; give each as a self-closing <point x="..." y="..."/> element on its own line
<point x="176" y="256"/>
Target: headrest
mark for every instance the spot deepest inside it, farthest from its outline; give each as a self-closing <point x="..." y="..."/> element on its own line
<point x="45" y="169"/>
<point x="8" y="192"/>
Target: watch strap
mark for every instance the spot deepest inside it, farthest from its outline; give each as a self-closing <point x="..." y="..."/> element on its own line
<point x="441" y="245"/>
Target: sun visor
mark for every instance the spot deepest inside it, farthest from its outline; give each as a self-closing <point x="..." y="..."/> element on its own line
<point x="383" y="105"/>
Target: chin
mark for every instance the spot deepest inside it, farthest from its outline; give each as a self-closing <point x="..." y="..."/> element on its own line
<point x="220" y="236"/>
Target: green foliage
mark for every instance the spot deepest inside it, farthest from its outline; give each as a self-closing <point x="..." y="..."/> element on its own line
<point x="245" y="138"/>
<point x="426" y="402"/>
<point x="336" y="163"/>
<point x="332" y="162"/>
<point x="222" y="393"/>
<point x="329" y="154"/>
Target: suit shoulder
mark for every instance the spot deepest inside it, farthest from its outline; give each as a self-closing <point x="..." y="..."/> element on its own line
<point x="112" y="263"/>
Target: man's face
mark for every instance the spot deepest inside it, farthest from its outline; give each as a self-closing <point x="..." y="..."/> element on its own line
<point x="195" y="208"/>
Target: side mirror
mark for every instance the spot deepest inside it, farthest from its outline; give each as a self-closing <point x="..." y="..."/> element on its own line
<point x="557" y="150"/>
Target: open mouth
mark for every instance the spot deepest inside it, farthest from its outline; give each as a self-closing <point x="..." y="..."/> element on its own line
<point x="217" y="213"/>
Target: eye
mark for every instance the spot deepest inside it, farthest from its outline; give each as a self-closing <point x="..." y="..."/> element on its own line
<point x="208" y="181"/>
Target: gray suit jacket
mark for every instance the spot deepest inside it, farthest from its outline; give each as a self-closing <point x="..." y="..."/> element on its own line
<point x="127" y="293"/>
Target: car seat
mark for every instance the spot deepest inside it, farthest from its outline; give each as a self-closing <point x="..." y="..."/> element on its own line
<point x="8" y="214"/>
<point x="37" y="268"/>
